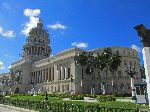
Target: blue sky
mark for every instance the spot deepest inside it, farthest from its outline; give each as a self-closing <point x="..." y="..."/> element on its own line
<point x="87" y="24"/>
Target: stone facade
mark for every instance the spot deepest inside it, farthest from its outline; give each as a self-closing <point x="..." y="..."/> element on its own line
<point x="38" y="71"/>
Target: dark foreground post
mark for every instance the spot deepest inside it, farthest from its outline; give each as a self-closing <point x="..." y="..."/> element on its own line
<point x="144" y="35"/>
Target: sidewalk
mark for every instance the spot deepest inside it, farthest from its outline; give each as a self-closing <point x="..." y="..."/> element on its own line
<point x="7" y="108"/>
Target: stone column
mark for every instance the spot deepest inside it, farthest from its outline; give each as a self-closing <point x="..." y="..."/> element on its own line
<point x="58" y="72"/>
<point x="62" y="74"/>
<point x="31" y="50"/>
<point x="55" y="76"/>
<point x="48" y="74"/>
<point x="40" y="77"/>
<point x="45" y="74"/>
<point x="65" y="73"/>
<point x="144" y="35"/>
<point x="52" y="74"/>
<point x="42" y="73"/>
<point x="35" y="77"/>
<point x="32" y="78"/>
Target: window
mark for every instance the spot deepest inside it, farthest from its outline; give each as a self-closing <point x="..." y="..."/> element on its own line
<point x="67" y="88"/>
<point x="59" y="78"/>
<point x="99" y="76"/>
<point x="129" y="53"/>
<point x="119" y="74"/>
<point x="58" y="88"/>
<point x="135" y="63"/>
<point x="137" y="90"/>
<point x="130" y="63"/>
<point x="53" y="74"/>
<point x="125" y="63"/>
<point x="64" y="73"/>
<point x="82" y="73"/>
<point x="117" y="52"/>
<point x="69" y="73"/>
<point x="142" y="90"/>
<point x="34" y="40"/>
<point x="62" y="88"/>
<point x="51" y="88"/>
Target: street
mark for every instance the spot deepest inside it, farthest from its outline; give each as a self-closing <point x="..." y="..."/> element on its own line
<point x="6" y="108"/>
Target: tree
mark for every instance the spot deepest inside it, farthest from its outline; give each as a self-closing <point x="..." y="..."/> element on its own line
<point x="85" y="60"/>
<point x="132" y="73"/>
<point x="142" y="71"/>
<point x="106" y="60"/>
<point x="100" y="64"/>
<point x="106" y="54"/>
<point x="114" y="63"/>
<point x="81" y="59"/>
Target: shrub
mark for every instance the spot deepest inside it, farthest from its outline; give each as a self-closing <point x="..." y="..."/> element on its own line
<point x="123" y="95"/>
<point x="77" y="97"/>
<point x="104" y="98"/>
<point x="60" y="95"/>
<point x="90" y="95"/>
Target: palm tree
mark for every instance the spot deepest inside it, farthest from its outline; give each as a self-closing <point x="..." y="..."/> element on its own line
<point x="106" y="55"/>
<point x="81" y="59"/>
<point x="107" y="61"/>
<point x="99" y="64"/>
<point x="132" y="73"/>
<point x="114" y="63"/>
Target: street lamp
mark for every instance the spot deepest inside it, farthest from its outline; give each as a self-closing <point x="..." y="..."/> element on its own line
<point x="71" y="82"/>
<point x="46" y="96"/>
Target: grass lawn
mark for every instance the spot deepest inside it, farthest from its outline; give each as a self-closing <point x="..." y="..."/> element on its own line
<point x="35" y="98"/>
<point x="109" y="104"/>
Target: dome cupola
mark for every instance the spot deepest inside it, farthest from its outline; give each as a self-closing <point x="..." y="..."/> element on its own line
<point x="37" y="44"/>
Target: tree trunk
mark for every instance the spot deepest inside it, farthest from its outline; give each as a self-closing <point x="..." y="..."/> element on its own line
<point x="132" y="87"/>
<point x="113" y="82"/>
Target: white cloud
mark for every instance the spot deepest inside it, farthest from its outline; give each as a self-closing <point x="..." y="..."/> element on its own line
<point x="8" y="34"/>
<point x="32" y="23"/>
<point x="2" y="67"/>
<point x="80" y="44"/>
<point x="33" y="20"/>
<point x="31" y="12"/>
<point x="57" y="26"/>
<point x="9" y="67"/>
<point x="138" y="49"/>
<point x="9" y="56"/>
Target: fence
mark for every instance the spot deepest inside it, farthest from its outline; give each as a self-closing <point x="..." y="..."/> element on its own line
<point x="61" y="107"/>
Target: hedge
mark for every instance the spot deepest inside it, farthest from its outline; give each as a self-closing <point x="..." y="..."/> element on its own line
<point x="104" y="98"/>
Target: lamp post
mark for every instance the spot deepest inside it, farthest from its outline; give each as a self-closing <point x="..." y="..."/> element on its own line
<point x="71" y="83"/>
<point x="46" y="96"/>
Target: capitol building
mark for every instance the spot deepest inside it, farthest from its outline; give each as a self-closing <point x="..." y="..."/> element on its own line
<point x="38" y="71"/>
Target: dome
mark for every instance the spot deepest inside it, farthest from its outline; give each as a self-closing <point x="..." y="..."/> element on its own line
<point x="37" y="43"/>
